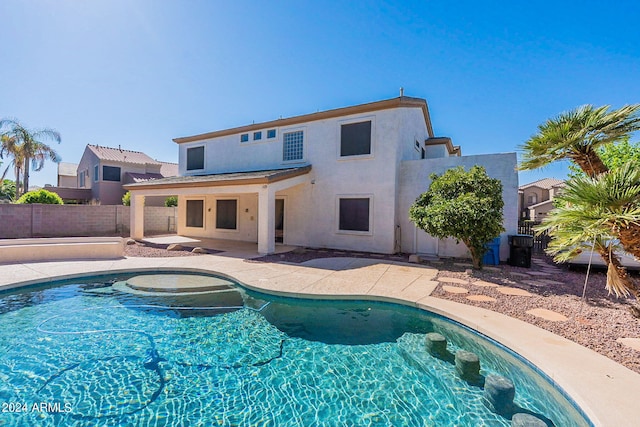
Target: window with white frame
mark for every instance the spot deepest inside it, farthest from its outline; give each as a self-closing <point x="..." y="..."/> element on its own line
<point x="355" y="139"/>
<point x="292" y="146"/>
<point x="257" y="136"/>
<point x="195" y="158"/>
<point x="227" y="214"/>
<point x="271" y="133"/>
<point x="195" y="213"/>
<point x="354" y="214"/>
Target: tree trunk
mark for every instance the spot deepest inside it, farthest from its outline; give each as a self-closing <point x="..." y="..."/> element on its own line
<point x="25" y="175"/>
<point x="17" y="172"/>
<point x="590" y="163"/>
<point x="630" y="239"/>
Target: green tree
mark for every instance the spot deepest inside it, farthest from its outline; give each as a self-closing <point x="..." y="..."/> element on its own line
<point x="464" y="205"/>
<point x="126" y="199"/>
<point x="614" y="156"/>
<point x="9" y="146"/>
<point x="171" y="201"/>
<point x="32" y="151"/>
<point x="40" y="196"/>
<point x="7" y="189"/>
<point x="575" y="136"/>
<point x="591" y="212"/>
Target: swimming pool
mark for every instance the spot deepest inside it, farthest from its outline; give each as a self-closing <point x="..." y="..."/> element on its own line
<point x="99" y="351"/>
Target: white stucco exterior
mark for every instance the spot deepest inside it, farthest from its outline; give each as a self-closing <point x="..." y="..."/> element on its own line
<point x="399" y="129"/>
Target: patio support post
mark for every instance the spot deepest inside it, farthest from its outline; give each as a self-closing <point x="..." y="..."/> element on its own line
<point x="266" y="220"/>
<point x="136" y="216"/>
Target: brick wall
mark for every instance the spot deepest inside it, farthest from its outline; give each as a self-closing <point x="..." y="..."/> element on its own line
<point x="24" y="221"/>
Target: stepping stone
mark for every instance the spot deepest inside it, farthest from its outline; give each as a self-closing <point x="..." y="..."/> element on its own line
<point x="534" y="283"/>
<point x="494" y="269"/>
<point x="455" y="290"/>
<point x="549" y="315"/>
<point x="452" y="280"/>
<point x="516" y="274"/>
<point x="551" y="282"/>
<point x="505" y="290"/>
<point x="481" y="298"/>
<point x="538" y="273"/>
<point x="633" y="343"/>
<point x="484" y="284"/>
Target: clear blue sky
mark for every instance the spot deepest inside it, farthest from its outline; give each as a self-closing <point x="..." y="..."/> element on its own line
<point x="139" y="73"/>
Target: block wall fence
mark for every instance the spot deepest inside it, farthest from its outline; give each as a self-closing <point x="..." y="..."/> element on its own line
<point x="25" y="221"/>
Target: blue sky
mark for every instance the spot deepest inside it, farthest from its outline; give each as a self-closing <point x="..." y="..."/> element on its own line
<point x="139" y="73"/>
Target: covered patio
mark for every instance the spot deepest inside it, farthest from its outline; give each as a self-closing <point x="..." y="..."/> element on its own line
<point x="263" y="184"/>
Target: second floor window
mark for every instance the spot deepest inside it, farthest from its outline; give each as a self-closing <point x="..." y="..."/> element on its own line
<point x="110" y="173"/>
<point x="292" y="143"/>
<point x="195" y="158"/>
<point x="355" y="139"/>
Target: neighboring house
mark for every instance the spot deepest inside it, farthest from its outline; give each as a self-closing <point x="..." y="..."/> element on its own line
<point x="342" y="178"/>
<point x="67" y="175"/>
<point x="104" y="171"/>
<point x="536" y="198"/>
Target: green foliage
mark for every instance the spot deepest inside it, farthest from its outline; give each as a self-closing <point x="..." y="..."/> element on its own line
<point x="171" y="201"/>
<point x="464" y="205"/>
<point x="614" y="156"/>
<point x="126" y="199"/>
<point x="7" y="189"/>
<point x="40" y="196"/>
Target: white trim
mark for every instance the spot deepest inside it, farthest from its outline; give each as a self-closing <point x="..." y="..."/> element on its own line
<point x="280" y="139"/>
<point x="337" y="214"/>
<point x="215" y="215"/>
<point x="360" y="119"/>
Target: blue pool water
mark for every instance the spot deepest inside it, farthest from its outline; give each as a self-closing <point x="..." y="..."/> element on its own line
<point x="95" y="352"/>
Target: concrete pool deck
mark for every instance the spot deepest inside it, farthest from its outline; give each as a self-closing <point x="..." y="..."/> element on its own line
<point x="605" y="390"/>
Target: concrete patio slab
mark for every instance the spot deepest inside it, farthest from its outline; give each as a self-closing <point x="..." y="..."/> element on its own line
<point x="633" y="343"/>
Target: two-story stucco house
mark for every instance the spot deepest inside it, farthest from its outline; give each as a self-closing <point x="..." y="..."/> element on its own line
<point x="342" y="178"/>
<point x="536" y="198"/>
<point x="104" y="171"/>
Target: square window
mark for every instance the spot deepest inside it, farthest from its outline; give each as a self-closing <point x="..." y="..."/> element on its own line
<point x="257" y="136"/>
<point x="271" y="133"/>
<point x="226" y="214"/>
<point x="195" y="158"/>
<point x="195" y="211"/>
<point x="292" y="143"/>
<point x="244" y="137"/>
<point x="110" y="173"/>
<point x="355" y="139"/>
<point x="354" y="214"/>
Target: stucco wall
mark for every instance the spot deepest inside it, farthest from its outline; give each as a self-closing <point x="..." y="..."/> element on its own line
<point x="414" y="180"/>
<point x="24" y="221"/>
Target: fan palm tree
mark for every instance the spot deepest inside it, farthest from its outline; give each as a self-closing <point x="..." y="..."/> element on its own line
<point x="32" y="150"/>
<point x="10" y="147"/>
<point x="575" y="135"/>
<point x="592" y="211"/>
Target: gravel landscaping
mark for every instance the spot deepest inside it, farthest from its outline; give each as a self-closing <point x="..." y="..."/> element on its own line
<point x="595" y="322"/>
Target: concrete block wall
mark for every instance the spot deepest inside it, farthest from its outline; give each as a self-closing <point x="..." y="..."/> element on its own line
<point x="25" y="221"/>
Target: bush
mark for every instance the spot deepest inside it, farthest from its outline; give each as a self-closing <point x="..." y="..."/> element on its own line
<point x="40" y="196"/>
<point x="126" y="199"/>
<point x="464" y="205"/>
<point x="171" y="201"/>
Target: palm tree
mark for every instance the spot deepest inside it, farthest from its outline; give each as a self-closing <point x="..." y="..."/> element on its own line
<point x="13" y="149"/>
<point x="592" y="211"/>
<point x="32" y="149"/>
<point x="576" y="134"/>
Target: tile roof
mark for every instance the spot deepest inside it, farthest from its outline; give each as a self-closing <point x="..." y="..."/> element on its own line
<point x="120" y="155"/>
<point x="230" y="178"/>
<point x="545" y="183"/>
<point x="133" y="177"/>
<point x="168" y="169"/>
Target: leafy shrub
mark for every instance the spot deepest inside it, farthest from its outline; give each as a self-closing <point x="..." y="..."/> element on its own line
<point x="126" y="199"/>
<point x="40" y="196"/>
<point x="171" y="201"/>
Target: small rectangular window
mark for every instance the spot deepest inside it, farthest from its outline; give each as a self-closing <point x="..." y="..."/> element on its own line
<point x="354" y="214"/>
<point x="195" y="213"/>
<point x="292" y="146"/>
<point x="96" y="173"/>
<point x="226" y="214"/>
<point x="355" y="139"/>
<point x="423" y="154"/>
<point x="81" y="177"/>
<point x="110" y="173"/>
<point x="195" y="158"/>
<point x="244" y="137"/>
<point x="271" y="133"/>
<point x="257" y="136"/>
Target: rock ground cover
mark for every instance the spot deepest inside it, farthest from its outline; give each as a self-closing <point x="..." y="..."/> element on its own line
<point x="600" y="322"/>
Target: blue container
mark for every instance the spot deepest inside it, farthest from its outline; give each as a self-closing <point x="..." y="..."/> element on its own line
<point x="492" y="256"/>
